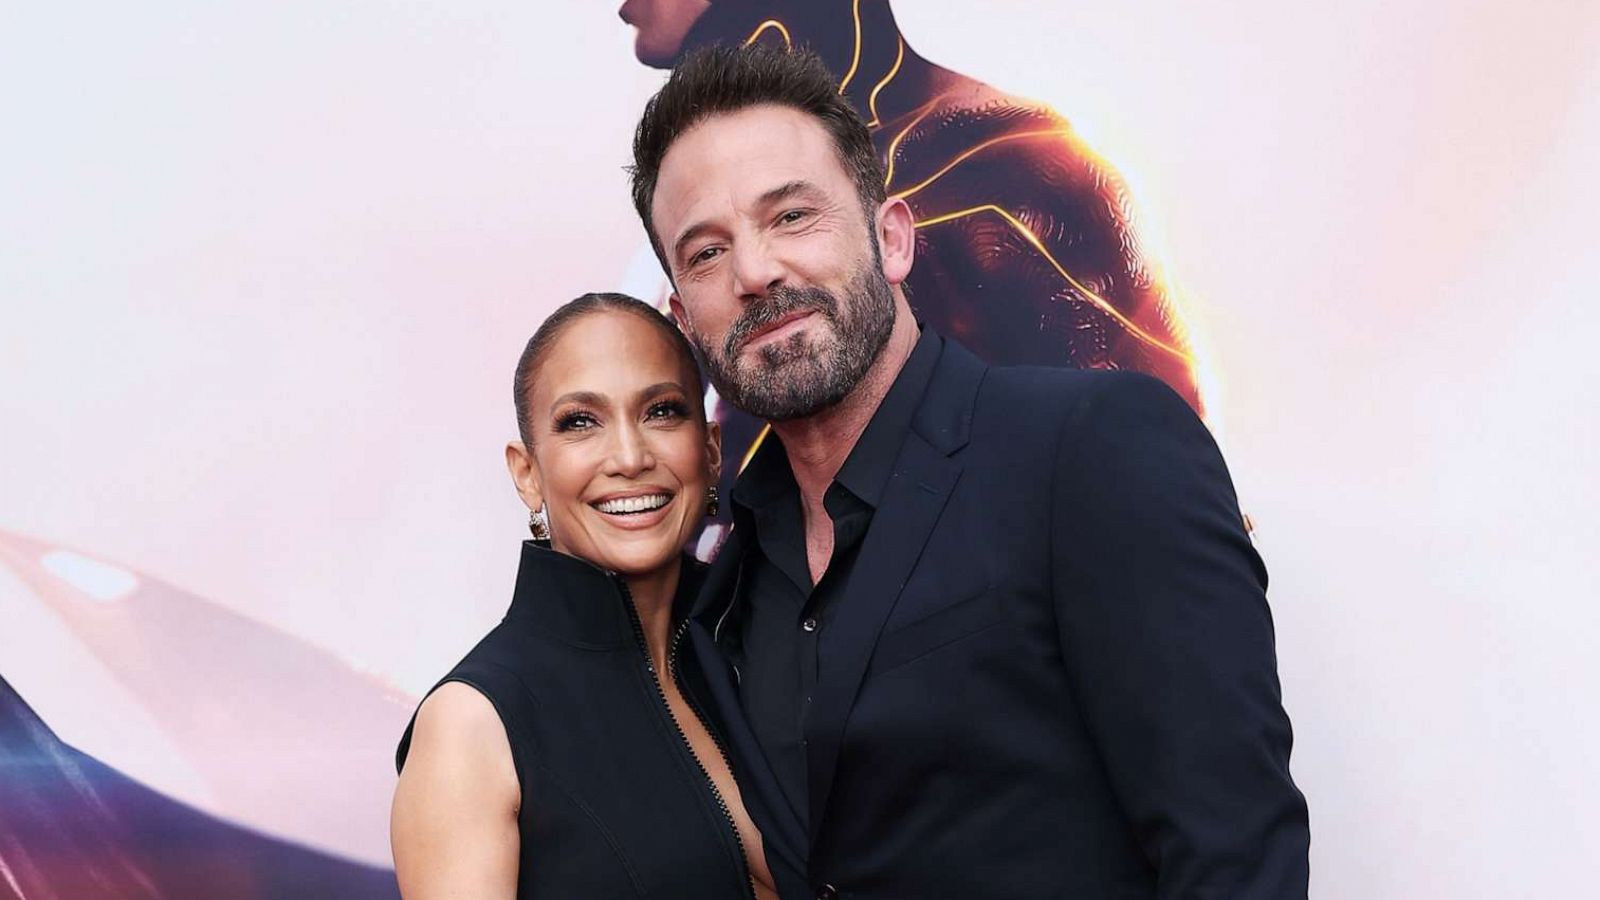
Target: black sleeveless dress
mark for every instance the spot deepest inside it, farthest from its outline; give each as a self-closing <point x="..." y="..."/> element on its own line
<point x="614" y="803"/>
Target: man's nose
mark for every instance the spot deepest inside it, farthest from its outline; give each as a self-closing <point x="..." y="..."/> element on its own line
<point x="756" y="271"/>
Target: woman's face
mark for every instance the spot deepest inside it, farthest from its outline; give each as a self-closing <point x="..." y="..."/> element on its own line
<point x="622" y="455"/>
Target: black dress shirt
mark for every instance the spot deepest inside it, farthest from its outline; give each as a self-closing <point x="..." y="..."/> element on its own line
<point x="779" y="622"/>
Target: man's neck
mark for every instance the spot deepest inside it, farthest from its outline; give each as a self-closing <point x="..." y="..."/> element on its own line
<point x="818" y="445"/>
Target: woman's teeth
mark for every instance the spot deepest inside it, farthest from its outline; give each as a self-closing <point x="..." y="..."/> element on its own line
<point x="645" y="503"/>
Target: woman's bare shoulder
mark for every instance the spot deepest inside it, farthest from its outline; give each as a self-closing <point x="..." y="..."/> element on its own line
<point x="458" y="729"/>
<point x="454" y="821"/>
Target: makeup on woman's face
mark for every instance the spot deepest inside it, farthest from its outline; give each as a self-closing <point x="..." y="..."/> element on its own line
<point x="621" y="448"/>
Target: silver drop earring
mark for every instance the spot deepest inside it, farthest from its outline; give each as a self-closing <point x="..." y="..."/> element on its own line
<point x="539" y="524"/>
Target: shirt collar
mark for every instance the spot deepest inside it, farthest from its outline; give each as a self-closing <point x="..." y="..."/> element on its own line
<point x="866" y="470"/>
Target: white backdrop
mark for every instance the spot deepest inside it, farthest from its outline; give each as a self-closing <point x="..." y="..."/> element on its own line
<point x="265" y="270"/>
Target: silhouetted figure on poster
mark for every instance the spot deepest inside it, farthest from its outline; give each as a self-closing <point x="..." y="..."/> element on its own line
<point x="1027" y="251"/>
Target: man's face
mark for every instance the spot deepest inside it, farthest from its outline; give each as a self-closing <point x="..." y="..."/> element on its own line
<point x="662" y="25"/>
<point x="776" y="266"/>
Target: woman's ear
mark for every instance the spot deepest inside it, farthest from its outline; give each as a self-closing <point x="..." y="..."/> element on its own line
<point x="524" y="474"/>
<point x="714" y="449"/>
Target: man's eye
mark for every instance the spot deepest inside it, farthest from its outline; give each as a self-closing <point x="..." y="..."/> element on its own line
<point x="792" y="216"/>
<point x="704" y="255"/>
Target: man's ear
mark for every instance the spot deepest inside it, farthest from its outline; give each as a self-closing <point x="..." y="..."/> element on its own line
<point x="524" y="474"/>
<point x="897" y="239"/>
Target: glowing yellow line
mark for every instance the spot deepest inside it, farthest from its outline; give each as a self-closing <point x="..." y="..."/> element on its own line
<point x="1038" y="245"/>
<point x="770" y="23"/>
<point x="872" y="99"/>
<point x="1064" y="132"/>
<point x="754" y="446"/>
<point x="855" y="61"/>
<point x="894" y="145"/>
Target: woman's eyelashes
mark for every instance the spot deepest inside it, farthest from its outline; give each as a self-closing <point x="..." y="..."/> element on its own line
<point x="672" y="409"/>
<point x="577" y="420"/>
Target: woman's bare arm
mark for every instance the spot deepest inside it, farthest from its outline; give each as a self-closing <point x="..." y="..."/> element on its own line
<point x="454" y="823"/>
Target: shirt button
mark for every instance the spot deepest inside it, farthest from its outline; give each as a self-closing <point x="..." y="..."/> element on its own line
<point x="827" y="892"/>
<point x="809" y="625"/>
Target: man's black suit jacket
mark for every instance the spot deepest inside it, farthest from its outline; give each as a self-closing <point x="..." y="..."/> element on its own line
<point x="1051" y="673"/>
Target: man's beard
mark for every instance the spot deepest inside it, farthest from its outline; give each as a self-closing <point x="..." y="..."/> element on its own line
<point x="806" y="373"/>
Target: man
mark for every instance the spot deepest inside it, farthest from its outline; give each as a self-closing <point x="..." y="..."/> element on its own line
<point x="1027" y="247"/>
<point x="977" y="632"/>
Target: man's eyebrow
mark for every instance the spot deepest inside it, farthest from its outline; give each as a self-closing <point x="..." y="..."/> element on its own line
<point x="796" y="188"/>
<point x="689" y="234"/>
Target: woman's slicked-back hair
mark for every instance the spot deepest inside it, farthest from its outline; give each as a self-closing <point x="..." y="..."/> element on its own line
<point x="721" y="79"/>
<point x="550" y="330"/>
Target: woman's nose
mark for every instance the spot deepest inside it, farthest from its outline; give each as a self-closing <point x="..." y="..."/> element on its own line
<point x="630" y="452"/>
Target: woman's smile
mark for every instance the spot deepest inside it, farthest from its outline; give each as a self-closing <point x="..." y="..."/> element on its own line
<point x="635" y="511"/>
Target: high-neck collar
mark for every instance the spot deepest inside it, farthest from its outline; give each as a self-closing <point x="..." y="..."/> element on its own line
<point x="579" y="603"/>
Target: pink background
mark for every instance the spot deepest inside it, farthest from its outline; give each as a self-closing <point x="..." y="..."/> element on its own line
<point x="265" y="271"/>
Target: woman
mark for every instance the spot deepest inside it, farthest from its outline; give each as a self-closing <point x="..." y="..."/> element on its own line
<point x="560" y="758"/>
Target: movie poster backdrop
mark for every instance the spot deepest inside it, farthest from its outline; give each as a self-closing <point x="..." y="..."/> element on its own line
<point x="266" y="271"/>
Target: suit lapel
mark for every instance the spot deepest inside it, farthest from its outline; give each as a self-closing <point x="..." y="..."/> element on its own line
<point x="916" y="494"/>
<point x="925" y="475"/>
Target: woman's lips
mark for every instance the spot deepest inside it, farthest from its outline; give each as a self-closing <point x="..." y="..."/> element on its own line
<point x="635" y="521"/>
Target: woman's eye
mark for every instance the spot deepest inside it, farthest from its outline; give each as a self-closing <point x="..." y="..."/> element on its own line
<point x="668" y="409"/>
<point x="575" y="421"/>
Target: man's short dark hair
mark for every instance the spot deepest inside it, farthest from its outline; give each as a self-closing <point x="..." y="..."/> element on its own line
<point x="719" y="80"/>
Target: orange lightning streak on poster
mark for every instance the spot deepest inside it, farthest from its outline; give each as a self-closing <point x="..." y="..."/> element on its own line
<point x="969" y="153"/>
<point x="768" y="24"/>
<point x="1033" y="240"/>
<point x="855" y="58"/>
<point x="872" y="100"/>
<point x="894" y="145"/>
<point x="754" y="446"/>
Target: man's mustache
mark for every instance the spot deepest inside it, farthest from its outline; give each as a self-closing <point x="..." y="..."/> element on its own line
<point x="781" y="302"/>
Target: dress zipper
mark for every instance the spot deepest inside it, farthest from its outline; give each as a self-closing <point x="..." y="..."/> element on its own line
<point x="661" y="694"/>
